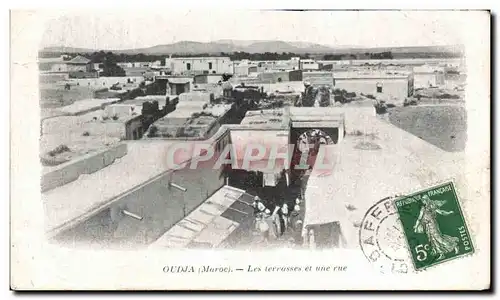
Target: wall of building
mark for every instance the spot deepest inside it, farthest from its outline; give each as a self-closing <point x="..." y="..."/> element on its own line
<point x="241" y="138"/>
<point x="424" y="80"/>
<point x="289" y="86"/>
<point x="87" y="164"/>
<point x="273" y="77"/>
<point x="309" y="65"/>
<point x="280" y="76"/>
<point x="196" y="96"/>
<point x="411" y="61"/>
<point x="135" y="71"/>
<point x="214" y="79"/>
<point x="81" y="74"/>
<point x="392" y="88"/>
<point x="78" y="67"/>
<point x="106" y="81"/>
<point x="59" y="67"/>
<point x="177" y="89"/>
<point x="134" y="129"/>
<point x="201" y="64"/>
<point x="295" y="75"/>
<point x="122" y="109"/>
<point x="318" y="78"/>
<point x="160" y="204"/>
<point x="242" y="70"/>
<point x="207" y="79"/>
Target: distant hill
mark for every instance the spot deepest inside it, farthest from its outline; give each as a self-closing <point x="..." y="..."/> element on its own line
<point x="61" y="49"/>
<point x="420" y="49"/>
<point x="231" y="46"/>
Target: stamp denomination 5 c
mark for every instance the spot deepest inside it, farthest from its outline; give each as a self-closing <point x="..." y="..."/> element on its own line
<point x="434" y="226"/>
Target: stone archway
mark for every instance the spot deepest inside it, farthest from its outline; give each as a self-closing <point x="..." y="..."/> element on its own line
<point x="311" y="139"/>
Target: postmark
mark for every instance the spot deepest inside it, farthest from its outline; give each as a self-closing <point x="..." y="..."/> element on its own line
<point x="381" y="238"/>
<point x="434" y="226"/>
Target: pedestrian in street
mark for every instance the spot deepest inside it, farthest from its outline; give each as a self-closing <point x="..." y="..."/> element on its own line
<point x="285" y="215"/>
<point x="294" y="217"/>
<point x="263" y="229"/>
<point x="258" y="206"/>
<point x="272" y="224"/>
<point x="279" y="221"/>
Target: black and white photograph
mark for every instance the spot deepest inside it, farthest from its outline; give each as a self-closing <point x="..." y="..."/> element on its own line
<point x="281" y="136"/>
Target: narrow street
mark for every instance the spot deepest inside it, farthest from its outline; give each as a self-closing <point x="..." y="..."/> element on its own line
<point x="292" y="237"/>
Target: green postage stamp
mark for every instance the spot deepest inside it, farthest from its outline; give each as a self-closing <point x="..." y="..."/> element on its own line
<point x="434" y="225"/>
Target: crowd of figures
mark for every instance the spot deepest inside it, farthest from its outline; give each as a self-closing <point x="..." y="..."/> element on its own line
<point x="278" y="223"/>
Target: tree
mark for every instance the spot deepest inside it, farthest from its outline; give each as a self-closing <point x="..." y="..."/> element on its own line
<point x="323" y="96"/>
<point x="309" y="96"/>
<point x="332" y="57"/>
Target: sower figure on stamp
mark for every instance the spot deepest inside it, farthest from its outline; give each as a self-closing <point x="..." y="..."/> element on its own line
<point x="427" y="223"/>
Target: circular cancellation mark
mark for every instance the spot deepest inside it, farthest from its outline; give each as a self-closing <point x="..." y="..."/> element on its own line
<point x="382" y="240"/>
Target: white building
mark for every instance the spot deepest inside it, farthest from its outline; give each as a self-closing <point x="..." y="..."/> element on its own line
<point x="245" y="70"/>
<point x="309" y="64"/>
<point x="387" y="85"/>
<point x="200" y="65"/>
<point x="426" y="76"/>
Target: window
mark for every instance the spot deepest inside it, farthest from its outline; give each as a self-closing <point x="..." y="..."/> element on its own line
<point x="379" y="87"/>
<point x="210" y="66"/>
<point x="188" y="66"/>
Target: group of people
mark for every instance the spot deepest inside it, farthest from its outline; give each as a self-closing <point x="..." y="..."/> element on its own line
<point x="273" y="225"/>
<point x="314" y="96"/>
<point x="312" y="139"/>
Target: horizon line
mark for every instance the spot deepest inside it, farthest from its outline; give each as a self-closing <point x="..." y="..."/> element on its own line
<point x="219" y="41"/>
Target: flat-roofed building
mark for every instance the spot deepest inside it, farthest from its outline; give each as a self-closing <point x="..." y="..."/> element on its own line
<point x="207" y="78"/>
<point x="178" y="85"/>
<point x="53" y="64"/>
<point x="427" y="76"/>
<point x="309" y="64"/>
<point x="194" y="117"/>
<point x="200" y="65"/>
<point x="319" y="78"/>
<point x="280" y="76"/>
<point x="389" y="85"/>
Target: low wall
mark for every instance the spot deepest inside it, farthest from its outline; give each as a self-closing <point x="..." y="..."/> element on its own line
<point x="396" y="88"/>
<point x="85" y="106"/>
<point x="105" y="81"/>
<point x="87" y="164"/>
<point x="354" y="116"/>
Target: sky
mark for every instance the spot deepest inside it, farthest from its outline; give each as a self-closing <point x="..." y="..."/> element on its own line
<point x="126" y="29"/>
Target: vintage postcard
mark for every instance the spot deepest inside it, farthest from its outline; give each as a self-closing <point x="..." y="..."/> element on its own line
<point x="224" y="149"/>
